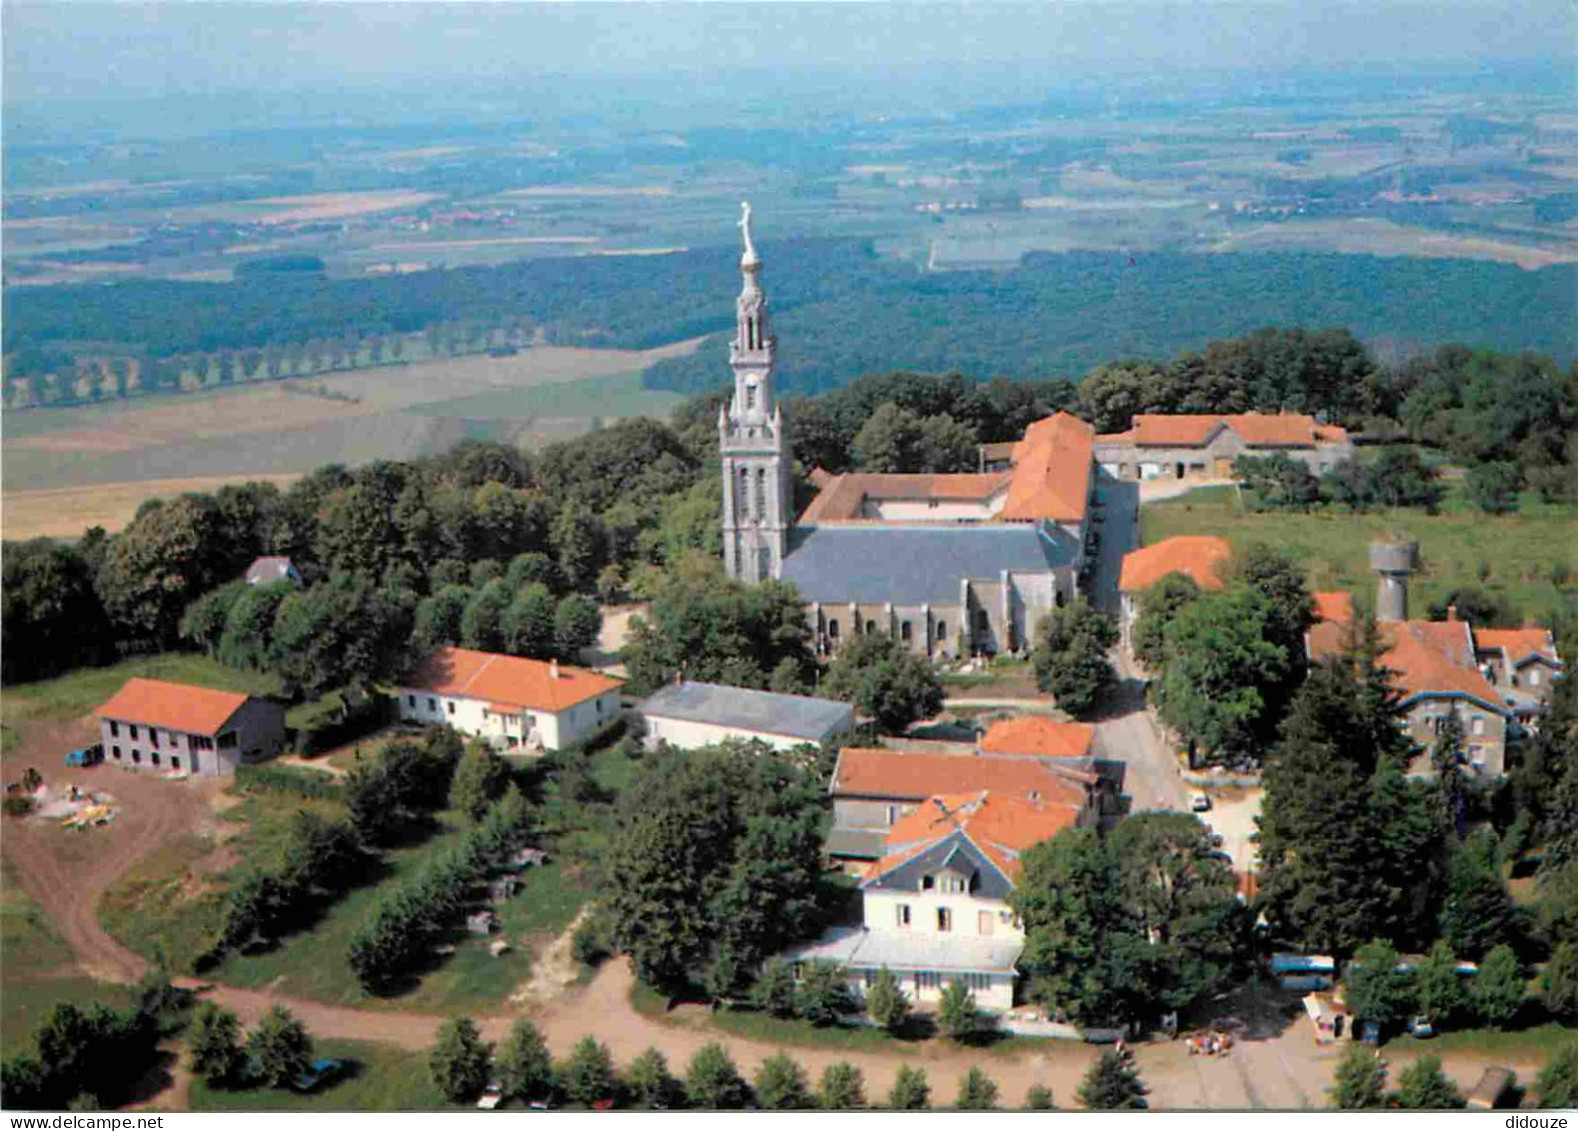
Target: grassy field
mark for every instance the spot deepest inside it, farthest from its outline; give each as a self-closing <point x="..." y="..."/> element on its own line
<point x="65" y="512"/>
<point x="379" y="1078"/>
<point x="77" y="693"/>
<point x="284" y="428"/>
<point x="1515" y="555"/>
<point x="1532" y="1044"/>
<point x="37" y="970"/>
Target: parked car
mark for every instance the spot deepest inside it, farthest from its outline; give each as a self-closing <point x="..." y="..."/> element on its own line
<point x="87" y="756"/>
<point x="1422" y="1028"/>
<point x="1494" y="1088"/>
<point x="1200" y="803"/>
<point x="492" y="1095"/>
<point x="319" y="1072"/>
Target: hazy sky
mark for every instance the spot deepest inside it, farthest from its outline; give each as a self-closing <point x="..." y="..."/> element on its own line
<point x="85" y="51"/>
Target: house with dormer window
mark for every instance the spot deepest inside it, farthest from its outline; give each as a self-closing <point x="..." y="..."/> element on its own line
<point x="935" y="906"/>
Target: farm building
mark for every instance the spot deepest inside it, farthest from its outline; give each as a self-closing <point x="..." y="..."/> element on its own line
<point x="176" y="726"/>
<point x="509" y="700"/>
<point x="689" y="715"/>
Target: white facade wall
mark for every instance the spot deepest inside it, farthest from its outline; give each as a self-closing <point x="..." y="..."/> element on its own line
<point x="970" y="917"/>
<point x="688" y="734"/>
<point x="530" y="728"/>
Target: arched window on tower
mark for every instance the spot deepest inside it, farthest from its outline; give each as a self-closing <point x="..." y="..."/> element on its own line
<point x="761" y="492"/>
<point x="750" y="397"/>
<point x="742" y="495"/>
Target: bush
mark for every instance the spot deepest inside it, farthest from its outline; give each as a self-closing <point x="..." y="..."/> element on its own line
<point x="781" y="1084"/>
<point x="842" y="1088"/>
<point x="1039" y="1098"/>
<point x="649" y="1082"/>
<point x="459" y="1061"/>
<point x="822" y="997"/>
<point x="588" y="1076"/>
<point x="279" y="1048"/>
<point x="886" y="1003"/>
<point x="774" y="991"/>
<point x="215" y="1045"/>
<point x="910" y="1091"/>
<point x="524" y="1065"/>
<point x="712" y="1081"/>
<point x="287" y="779"/>
<point x="977" y="1092"/>
<point x="334" y="724"/>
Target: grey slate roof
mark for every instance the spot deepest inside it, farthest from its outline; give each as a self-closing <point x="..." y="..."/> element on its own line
<point x="955" y="851"/>
<point x="797" y="716"/>
<point x="913" y="565"/>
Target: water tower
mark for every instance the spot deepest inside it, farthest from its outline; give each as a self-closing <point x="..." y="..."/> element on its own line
<point x="1393" y="561"/>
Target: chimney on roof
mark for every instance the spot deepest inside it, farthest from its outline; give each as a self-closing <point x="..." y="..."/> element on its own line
<point x="1393" y="561"/>
<point x="553" y="668"/>
<point x="1452" y="612"/>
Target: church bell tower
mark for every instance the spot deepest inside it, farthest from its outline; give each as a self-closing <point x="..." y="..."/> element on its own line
<point x="751" y="440"/>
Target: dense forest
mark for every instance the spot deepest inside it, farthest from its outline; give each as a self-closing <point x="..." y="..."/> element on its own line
<point x="841" y="311"/>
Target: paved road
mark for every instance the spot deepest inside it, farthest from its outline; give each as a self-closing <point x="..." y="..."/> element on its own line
<point x="1127" y="734"/>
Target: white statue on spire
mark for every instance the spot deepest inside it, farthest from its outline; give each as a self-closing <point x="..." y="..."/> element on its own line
<point x="745" y="227"/>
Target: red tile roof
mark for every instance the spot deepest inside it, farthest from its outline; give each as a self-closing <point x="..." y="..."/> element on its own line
<point x="1257" y="429"/>
<point x="1333" y="606"/>
<point x="1519" y="644"/>
<point x="1038" y="736"/>
<point x="1052" y="469"/>
<point x="507" y="681"/>
<point x="1200" y="556"/>
<point x="1426" y="657"/>
<point x="873" y="772"/>
<point x="1001" y="826"/>
<point x="174" y="706"/>
<point x="842" y="496"/>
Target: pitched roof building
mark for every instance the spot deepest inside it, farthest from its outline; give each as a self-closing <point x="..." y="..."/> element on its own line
<point x="935" y="904"/>
<point x="948" y="564"/>
<point x="1037" y="736"/>
<point x="178" y="726"/>
<point x="691" y="714"/>
<point x="510" y="700"/>
<point x="1204" y="445"/>
<point x="1202" y="558"/>
<point x="873" y="787"/>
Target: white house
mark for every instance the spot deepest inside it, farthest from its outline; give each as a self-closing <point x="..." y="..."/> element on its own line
<point x="689" y="715"/>
<point x="935" y="907"/>
<point x="511" y="701"/>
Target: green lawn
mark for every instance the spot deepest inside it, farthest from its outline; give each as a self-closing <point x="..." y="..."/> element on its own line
<point x="79" y="692"/>
<point x="1516" y="555"/>
<point x="37" y="969"/>
<point x="312" y="963"/>
<point x="379" y="1078"/>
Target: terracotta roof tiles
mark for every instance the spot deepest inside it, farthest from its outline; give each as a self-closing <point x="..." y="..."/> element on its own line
<point x="873" y="772"/>
<point x="1195" y="430"/>
<point x="1519" y="644"/>
<point x="174" y="706"/>
<point x="1038" y="736"/>
<point x="1198" y="556"/>
<point x="1051" y="473"/>
<point x="1426" y="657"/>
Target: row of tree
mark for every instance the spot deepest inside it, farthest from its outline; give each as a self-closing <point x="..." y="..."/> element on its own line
<point x="462" y="1063"/>
<point x="399" y="935"/>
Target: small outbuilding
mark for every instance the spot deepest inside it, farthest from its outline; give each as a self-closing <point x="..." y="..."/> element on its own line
<point x="689" y="715"/>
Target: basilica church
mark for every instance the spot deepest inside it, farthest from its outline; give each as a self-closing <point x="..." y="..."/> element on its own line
<point x="952" y="565"/>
